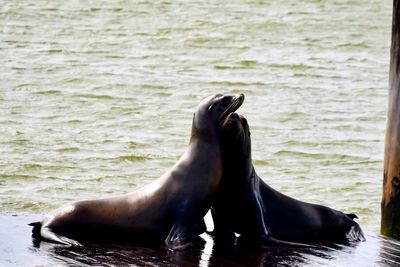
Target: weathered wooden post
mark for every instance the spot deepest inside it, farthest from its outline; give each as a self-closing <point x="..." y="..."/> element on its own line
<point x="390" y="206"/>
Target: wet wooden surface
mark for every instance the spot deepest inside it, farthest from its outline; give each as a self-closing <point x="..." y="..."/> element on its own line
<point x="18" y="249"/>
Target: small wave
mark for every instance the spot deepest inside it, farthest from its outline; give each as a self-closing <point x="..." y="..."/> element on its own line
<point x="156" y="86"/>
<point x="362" y="211"/>
<point x="32" y="166"/>
<point x="291" y="66"/>
<point x="68" y="149"/>
<point x="18" y="68"/>
<point x="49" y="92"/>
<point x="243" y="64"/>
<point x="260" y="162"/>
<point x="231" y="83"/>
<point x="293" y="115"/>
<point x="115" y="57"/>
<point x="26" y="205"/>
<point x="248" y="63"/>
<point x="20" y="141"/>
<point x="352" y="45"/>
<point x="200" y="41"/>
<point x="74" y="121"/>
<point x="24" y="86"/>
<point x="92" y="96"/>
<point x="223" y="67"/>
<point x="17" y="177"/>
<point x="300" y="143"/>
<point x="131" y="158"/>
<point x="71" y="80"/>
<point x="328" y="156"/>
<point x="133" y="144"/>
<point x="54" y="51"/>
<point x="316" y="76"/>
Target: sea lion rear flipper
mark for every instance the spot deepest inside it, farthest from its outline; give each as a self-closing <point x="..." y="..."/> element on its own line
<point x="36" y="229"/>
<point x="355" y="234"/>
<point x="180" y="237"/>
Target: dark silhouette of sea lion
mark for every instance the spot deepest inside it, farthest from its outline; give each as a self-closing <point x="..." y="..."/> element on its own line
<point x="171" y="208"/>
<point x="246" y="205"/>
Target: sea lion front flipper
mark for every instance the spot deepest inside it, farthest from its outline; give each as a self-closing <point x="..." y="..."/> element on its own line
<point x="258" y="204"/>
<point x="266" y="237"/>
<point x="180" y="237"/>
<point x="221" y="230"/>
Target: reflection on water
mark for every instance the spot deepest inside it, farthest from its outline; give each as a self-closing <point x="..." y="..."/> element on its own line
<point x="207" y="251"/>
<point x="17" y="249"/>
<point x="96" y="98"/>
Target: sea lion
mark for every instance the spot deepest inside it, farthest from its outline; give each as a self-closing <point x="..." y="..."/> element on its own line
<point x="244" y="202"/>
<point x="171" y="208"/>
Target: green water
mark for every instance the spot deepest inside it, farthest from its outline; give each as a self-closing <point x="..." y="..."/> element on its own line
<point x="96" y="97"/>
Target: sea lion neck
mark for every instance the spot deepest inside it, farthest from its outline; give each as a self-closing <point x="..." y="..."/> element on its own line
<point x="205" y="135"/>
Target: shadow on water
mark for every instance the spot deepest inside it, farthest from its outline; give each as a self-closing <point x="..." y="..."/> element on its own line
<point x="19" y="249"/>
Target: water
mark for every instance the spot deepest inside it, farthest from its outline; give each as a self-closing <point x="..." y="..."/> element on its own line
<point x="96" y="97"/>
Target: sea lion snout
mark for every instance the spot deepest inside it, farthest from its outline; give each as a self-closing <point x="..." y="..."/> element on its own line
<point x="230" y="104"/>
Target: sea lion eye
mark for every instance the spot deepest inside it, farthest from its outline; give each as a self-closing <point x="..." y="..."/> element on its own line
<point x="210" y="107"/>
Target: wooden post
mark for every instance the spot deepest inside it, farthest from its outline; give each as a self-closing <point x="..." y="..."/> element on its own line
<point x="390" y="206"/>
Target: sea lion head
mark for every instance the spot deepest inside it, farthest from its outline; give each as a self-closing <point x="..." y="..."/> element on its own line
<point x="236" y="145"/>
<point x="212" y="112"/>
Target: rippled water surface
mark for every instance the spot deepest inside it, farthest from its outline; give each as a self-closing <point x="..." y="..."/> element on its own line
<point x="96" y="97"/>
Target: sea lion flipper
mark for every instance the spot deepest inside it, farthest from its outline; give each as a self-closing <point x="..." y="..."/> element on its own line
<point x="258" y="204"/>
<point x="221" y="230"/>
<point x="355" y="234"/>
<point x="36" y="229"/>
<point x="49" y="235"/>
<point x="266" y="236"/>
<point x="179" y="238"/>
